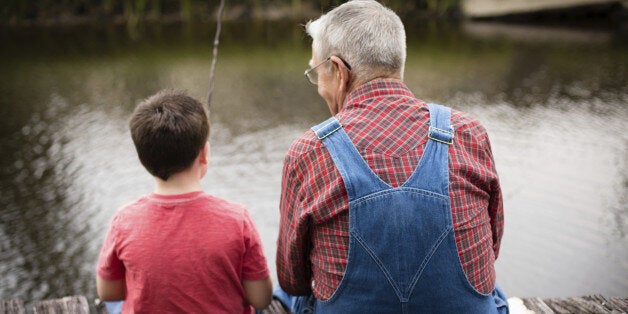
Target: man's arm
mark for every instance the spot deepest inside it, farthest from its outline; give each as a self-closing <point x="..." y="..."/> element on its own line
<point x="110" y="290"/>
<point x="258" y="293"/>
<point x="292" y="261"/>
<point x="495" y="205"/>
<point x="473" y="137"/>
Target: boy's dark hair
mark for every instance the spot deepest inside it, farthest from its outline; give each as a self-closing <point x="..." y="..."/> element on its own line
<point x="169" y="129"/>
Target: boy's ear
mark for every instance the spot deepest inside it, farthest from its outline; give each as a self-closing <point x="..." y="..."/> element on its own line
<point x="204" y="154"/>
<point x="203" y="160"/>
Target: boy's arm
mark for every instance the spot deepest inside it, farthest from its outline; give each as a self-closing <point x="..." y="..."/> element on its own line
<point x="258" y="287"/>
<point x="258" y="293"/>
<point x="110" y="266"/>
<point x="110" y="290"/>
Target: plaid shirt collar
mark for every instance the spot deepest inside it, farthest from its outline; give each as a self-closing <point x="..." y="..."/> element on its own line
<point x="378" y="87"/>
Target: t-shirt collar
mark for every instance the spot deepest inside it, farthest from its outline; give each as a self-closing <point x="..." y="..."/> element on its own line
<point x="175" y="198"/>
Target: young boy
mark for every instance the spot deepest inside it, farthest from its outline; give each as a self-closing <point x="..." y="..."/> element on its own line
<point x="179" y="249"/>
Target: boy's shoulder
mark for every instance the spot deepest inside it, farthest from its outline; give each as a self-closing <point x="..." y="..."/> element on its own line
<point x="190" y="200"/>
<point x="221" y="205"/>
<point x="200" y="205"/>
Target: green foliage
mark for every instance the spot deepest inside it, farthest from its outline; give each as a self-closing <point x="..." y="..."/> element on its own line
<point x="134" y="10"/>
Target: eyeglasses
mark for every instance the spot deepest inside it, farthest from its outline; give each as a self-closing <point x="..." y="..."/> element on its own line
<point x="311" y="75"/>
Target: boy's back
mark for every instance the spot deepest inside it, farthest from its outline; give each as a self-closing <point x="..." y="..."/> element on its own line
<point x="183" y="253"/>
<point x="178" y="249"/>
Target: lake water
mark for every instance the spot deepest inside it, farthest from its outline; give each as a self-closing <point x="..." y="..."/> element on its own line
<point x="554" y="101"/>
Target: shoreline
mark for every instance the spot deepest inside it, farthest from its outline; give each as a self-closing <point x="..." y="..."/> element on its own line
<point x="203" y="14"/>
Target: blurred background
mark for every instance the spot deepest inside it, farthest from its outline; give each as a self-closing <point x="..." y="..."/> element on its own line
<point x="547" y="79"/>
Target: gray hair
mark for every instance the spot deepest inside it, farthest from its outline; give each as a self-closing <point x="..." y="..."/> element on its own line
<point x="365" y="34"/>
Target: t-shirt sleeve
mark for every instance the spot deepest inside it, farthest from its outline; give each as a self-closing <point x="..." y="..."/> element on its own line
<point x="254" y="266"/>
<point x="110" y="267"/>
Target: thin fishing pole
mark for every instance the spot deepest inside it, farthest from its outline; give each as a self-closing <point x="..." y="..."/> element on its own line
<point x="215" y="53"/>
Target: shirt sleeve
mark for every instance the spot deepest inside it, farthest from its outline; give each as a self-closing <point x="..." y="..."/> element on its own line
<point x="254" y="266"/>
<point x="293" y="267"/>
<point x="109" y="266"/>
<point x="495" y="206"/>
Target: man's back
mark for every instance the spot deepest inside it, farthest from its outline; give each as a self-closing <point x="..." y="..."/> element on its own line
<point x="389" y="128"/>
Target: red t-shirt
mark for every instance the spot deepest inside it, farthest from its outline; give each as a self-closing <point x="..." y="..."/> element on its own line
<point x="183" y="253"/>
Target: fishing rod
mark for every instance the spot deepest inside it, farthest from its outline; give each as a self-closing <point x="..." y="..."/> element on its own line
<point x="215" y="53"/>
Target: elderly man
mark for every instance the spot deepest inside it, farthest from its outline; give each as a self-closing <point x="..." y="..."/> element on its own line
<point x="391" y="205"/>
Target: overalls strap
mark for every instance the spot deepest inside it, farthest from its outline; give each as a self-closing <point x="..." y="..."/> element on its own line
<point x="440" y="124"/>
<point x="432" y="173"/>
<point x="358" y="177"/>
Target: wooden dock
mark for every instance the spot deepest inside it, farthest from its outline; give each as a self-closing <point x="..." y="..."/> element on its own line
<point x="65" y="305"/>
<point x="586" y="304"/>
<point x="594" y="304"/>
<point x="492" y="8"/>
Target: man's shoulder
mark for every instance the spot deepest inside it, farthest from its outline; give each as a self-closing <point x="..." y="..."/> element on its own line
<point x="466" y="124"/>
<point x="304" y="144"/>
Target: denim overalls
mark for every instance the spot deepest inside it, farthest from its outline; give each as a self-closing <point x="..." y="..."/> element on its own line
<point x="402" y="254"/>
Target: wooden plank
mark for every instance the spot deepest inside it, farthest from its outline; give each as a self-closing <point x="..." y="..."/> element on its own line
<point x="576" y="305"/>
<point x="12" y="306"/>
<point x="618" y="305"/>
<point x="275" y="307"/>
<point x="587" y="304"/>
<point x="593" y="304"/>
<point x="66" y="305"/>
<point x="601" y="300"/>
<point x="487" y="8"/>
<point x="537" y="305"/>
<point x="100" y="307"/>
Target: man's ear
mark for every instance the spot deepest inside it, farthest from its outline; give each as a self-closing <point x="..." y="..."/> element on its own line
<point x="343" y="73"/>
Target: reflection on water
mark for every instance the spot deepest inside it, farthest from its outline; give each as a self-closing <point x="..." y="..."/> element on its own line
<point x="563" y="170"/>
<point x="42" y="227"/>
<point x="555" y="109"/>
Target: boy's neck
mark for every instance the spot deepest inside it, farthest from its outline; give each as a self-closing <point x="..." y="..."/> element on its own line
<point x="188" y="180"/>
<point x="179" y="183"/>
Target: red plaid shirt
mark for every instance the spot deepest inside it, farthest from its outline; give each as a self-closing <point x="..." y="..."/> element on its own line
<point x="389" y="127"/>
